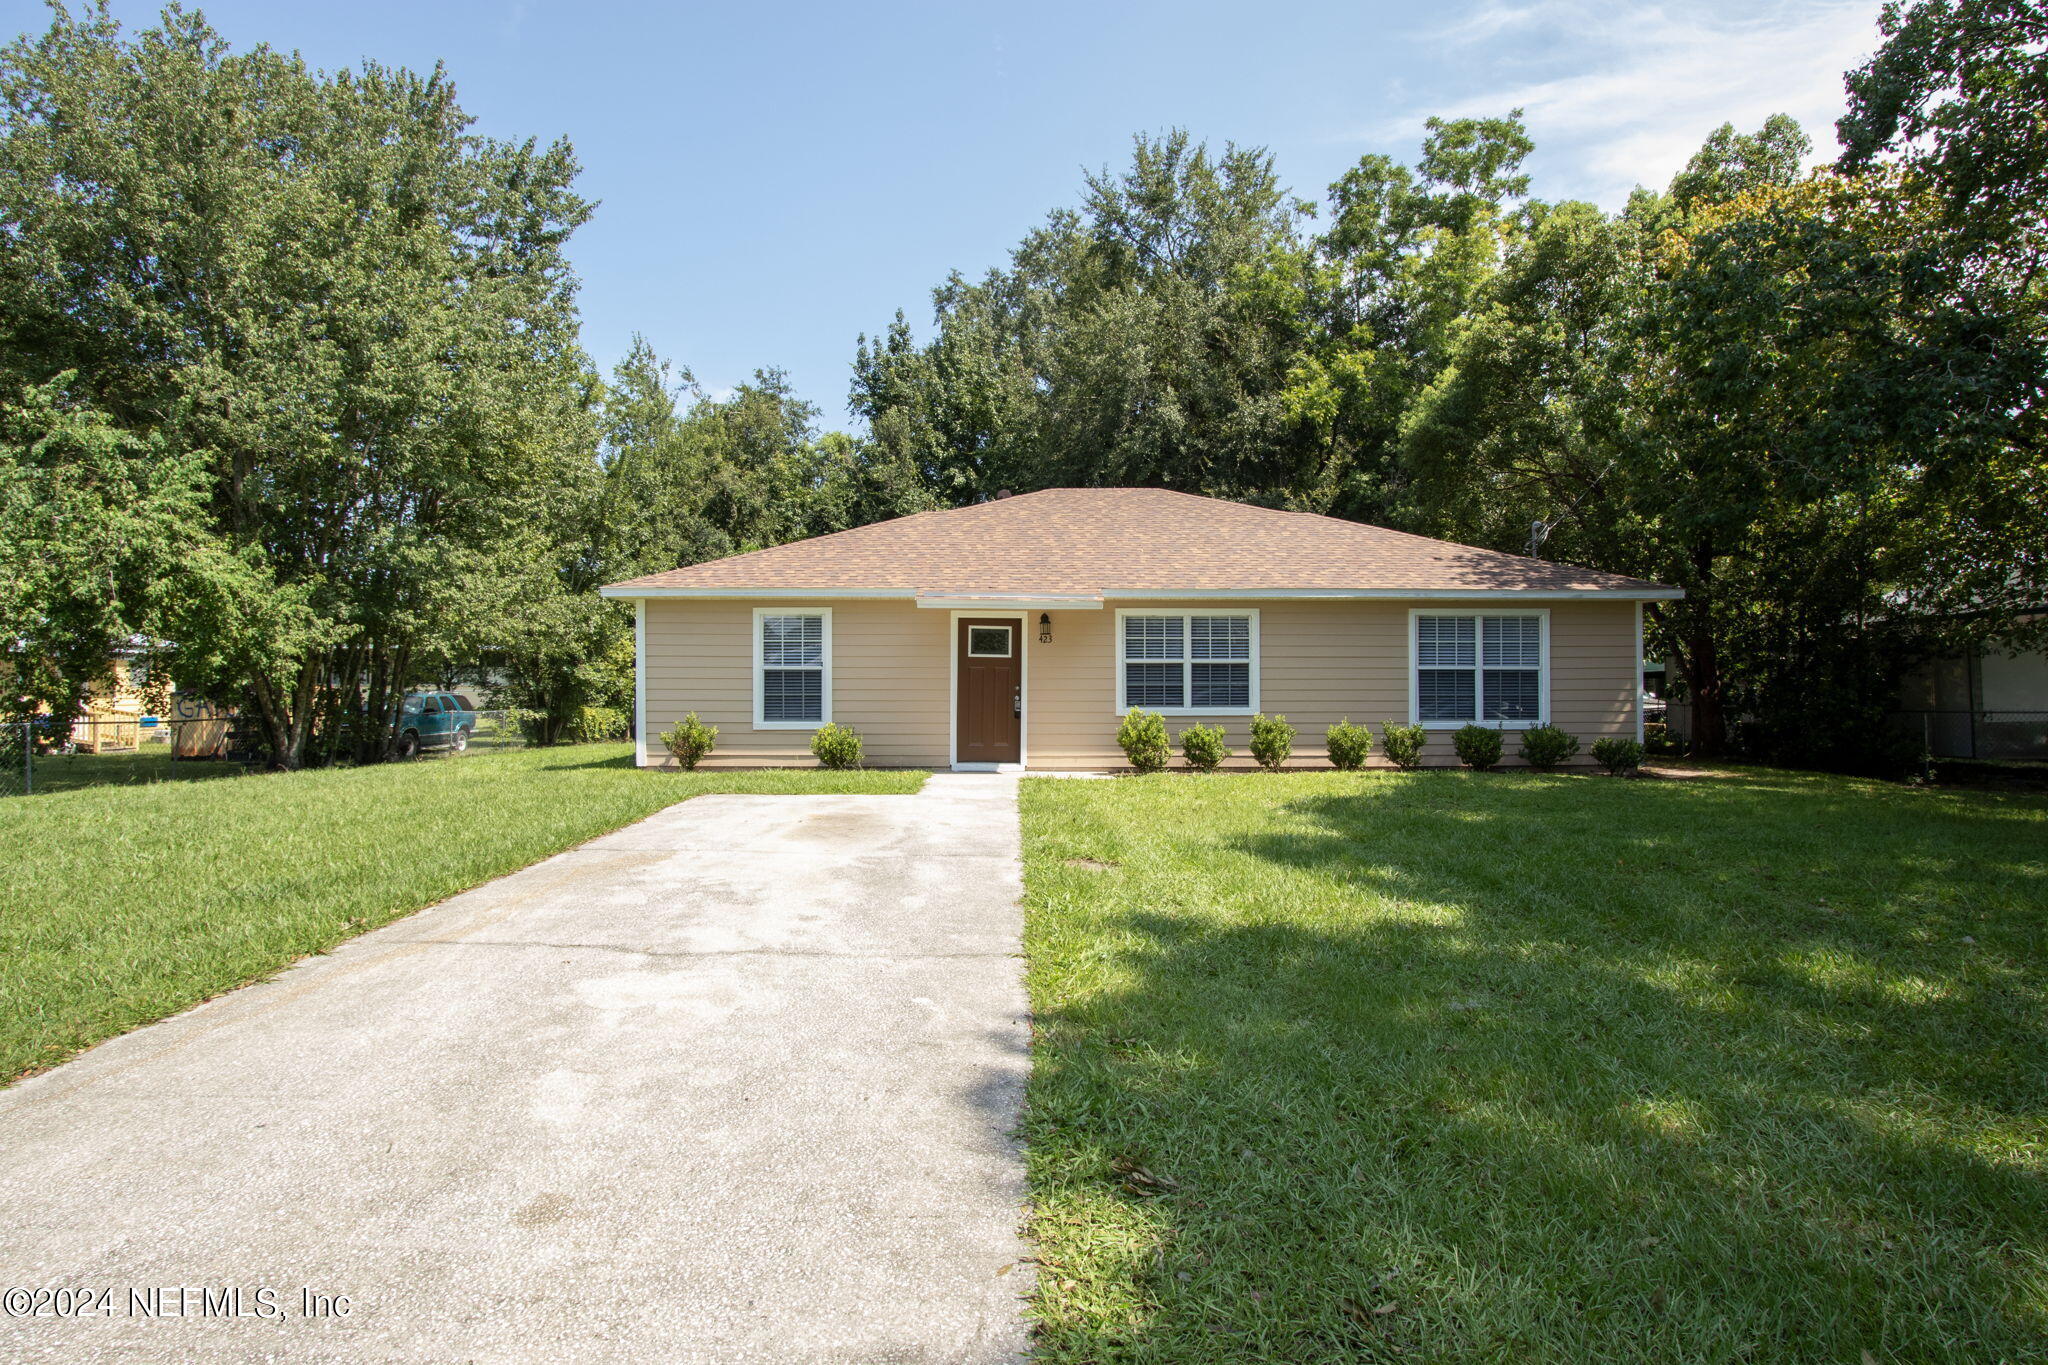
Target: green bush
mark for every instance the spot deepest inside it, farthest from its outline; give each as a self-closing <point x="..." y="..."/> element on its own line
<point x="1404" y="744"/>
<point x="1142" y="737"/>
<point x="1619" y="756"/>
<point x="1348" y="745"/>
<point x="836" y="745"/>
<point x="1272" y="741"/>
<point x="1202" y="746"/>
<point x="1478" y="746"/>
<point x="594" y="723"/>
<point x="1546" y="746"/>
<point x="690" y="740"/>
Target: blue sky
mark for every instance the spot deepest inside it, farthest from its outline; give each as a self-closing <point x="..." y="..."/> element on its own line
<point x="776" y="179"/>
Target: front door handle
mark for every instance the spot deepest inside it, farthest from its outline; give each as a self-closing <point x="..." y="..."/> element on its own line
<point x="1017" y="706"/>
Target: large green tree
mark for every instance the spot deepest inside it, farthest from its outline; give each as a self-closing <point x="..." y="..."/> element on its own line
<point x="1181" y="328"/>
<point x="1822" y="400"/>
<point x="92" y="517"/>
<point x="1403" y="263"/>
<point x="1957" y="100"/>
<point x="1778" y="393"/>
<point x="1548" y="428"/>
<point x="680" y="477"/>
<point x="1141" y="339"/>
<point x="351" y="310"/>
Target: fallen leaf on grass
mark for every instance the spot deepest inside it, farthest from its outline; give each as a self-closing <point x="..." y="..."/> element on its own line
<point x="1138" y="1180"/>
<point x="1358" y="1312"/>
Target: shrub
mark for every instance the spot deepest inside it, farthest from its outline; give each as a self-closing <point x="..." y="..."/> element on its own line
<point x="1404" y="744"/>
<point x="1272" y="741"/>
<point x="1546" y="746"/>
<point x="690" y="740"/>
<point x="1202" y="746"/>
<point x="532" y="724"/>
<point x="1478" y="746"/>
<point x="1619" y="756"/>
<point x="836" y="745"/>
<point x="598" y="723"/>
<point x="1348" y="745"/>
<point x="1143" y="739"/>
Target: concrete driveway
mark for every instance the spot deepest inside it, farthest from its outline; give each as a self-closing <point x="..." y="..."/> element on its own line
<point x="735" y="1083"/>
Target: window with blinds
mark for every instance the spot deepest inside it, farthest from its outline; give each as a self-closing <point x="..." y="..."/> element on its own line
<point x="791" y="659"/>
<point x="1186" y="662"/>
<point x="1479" y="667"/>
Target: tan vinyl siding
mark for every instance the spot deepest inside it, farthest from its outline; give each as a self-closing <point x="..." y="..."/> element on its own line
<point x="1319" y="661"/>
<point x="889" y="680"/>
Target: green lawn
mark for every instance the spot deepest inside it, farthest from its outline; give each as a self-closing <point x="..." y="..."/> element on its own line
<point x="1454" y="1067"/>
<point x="56" y="773"/>
<point x="122" y="904"/>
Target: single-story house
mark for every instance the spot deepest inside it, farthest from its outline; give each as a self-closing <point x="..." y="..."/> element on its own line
<point x="1018" y="632"/>
<point x="1989" y="703"/>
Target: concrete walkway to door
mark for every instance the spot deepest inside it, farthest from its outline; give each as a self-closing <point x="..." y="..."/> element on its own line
<point x="735" y="1083"/>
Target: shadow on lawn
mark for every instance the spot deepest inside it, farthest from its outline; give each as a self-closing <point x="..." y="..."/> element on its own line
<point x="1553" y="1069"/>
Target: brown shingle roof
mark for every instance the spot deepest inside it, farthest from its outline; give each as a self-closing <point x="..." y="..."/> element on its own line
<point x="1117" y="540"/>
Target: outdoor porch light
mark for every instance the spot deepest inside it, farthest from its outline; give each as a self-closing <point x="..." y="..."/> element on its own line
<point x="1045" y="627"/>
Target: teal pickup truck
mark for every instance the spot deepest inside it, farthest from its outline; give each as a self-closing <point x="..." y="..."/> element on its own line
<point x="435" y="720"/>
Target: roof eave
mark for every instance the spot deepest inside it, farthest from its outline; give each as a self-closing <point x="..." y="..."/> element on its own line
<point x="1648" y="592"/>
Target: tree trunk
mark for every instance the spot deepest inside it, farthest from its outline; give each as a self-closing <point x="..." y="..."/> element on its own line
<point x="1703" y="681"/>
<point x="276" y="723"/>
<point x="305" y="697"/>
<point x="372" y="732"/>
<point x="394" y="696"/>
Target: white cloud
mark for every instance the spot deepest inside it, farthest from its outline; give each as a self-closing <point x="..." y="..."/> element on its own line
<point x="1627" y="92"/>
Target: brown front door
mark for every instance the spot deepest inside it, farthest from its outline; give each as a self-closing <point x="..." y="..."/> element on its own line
<point x="991" y="705"/>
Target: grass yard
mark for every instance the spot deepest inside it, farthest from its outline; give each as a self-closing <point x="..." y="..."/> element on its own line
<point x="56" y="773"/>
<point x="122" y="904"/>
<point x="1455" y="1067"/>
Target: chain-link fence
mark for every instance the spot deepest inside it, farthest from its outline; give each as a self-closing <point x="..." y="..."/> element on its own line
<point x="1979" y="734"/>
<point x="100" y="750"/>
<point x="17" y="759"/>
<point x="41" y="755"/>
<point x="498" y="730"/>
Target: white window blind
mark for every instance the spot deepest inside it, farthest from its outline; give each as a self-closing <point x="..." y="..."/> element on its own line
<point x="1479" y="667"/>
<point x="1514" y="658"/>
<point x="1444" y="660"/>
<point x="792" y="665"/>
<point x="1186" y="662"/>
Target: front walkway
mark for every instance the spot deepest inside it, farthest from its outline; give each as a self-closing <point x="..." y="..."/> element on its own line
<point x="735" y="1083"/>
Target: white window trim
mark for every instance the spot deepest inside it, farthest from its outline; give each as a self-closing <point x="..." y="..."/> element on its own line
<point x="1415" y="615"/>
<point x="1009" y="643"/>
<point x="760" y="670"/>
<point x="1116" y="694"/>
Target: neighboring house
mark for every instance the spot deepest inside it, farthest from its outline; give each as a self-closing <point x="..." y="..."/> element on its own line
<point x="1989" y="704"/>
<point x="112" y="719"/>
<point x="1019" y="631"/>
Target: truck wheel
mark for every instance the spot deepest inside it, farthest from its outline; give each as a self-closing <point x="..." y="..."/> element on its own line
<point x="461" y="740"/>
<point x="409" y="744"/>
